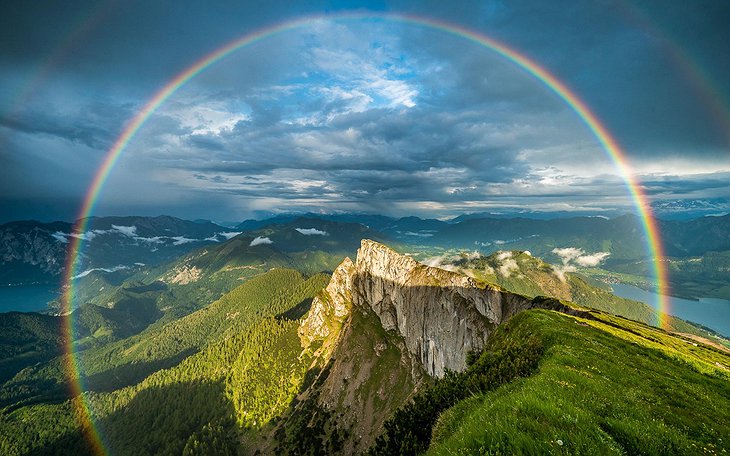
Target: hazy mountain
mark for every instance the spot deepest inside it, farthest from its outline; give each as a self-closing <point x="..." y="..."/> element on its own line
<point x="397" y="228"/>
<point x="690" y="209"/>
<point x="35" y="252"/>
<point x="622" y="236"/>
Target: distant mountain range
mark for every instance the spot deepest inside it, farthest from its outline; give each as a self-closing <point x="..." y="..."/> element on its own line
<point x="117" y="248"/>
<point x="36" y="252"/>
<point x="623" y="235"/>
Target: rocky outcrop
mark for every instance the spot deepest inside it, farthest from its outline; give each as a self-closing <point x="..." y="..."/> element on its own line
<point x="184" y="275"/>
<point x="329" y="309"/>
<point x="441" y="315"/>
<point x="384" y="326"/>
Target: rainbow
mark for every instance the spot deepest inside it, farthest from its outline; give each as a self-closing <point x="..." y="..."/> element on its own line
<point x="609" y="144"/>
<point x="700" y="81"/>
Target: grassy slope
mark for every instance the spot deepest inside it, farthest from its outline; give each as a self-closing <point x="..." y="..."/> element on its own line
<point x="610" y="386"/>
<point x="367" y="378"/>
<point x="238" y="339"/>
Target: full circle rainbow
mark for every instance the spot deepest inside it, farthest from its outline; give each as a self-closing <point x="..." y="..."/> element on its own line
<point x="609" y="144"/>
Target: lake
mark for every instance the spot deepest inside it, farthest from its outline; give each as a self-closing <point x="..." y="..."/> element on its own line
<point x="27" y="298"/>
<point x="711" y="312"/>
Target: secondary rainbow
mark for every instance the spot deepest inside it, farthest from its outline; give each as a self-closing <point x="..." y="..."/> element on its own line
<point x="609" y="144"/>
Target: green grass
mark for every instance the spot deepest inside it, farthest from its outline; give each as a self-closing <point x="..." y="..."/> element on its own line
<point x="606" y="386"/>
<point x="243" y="343"/>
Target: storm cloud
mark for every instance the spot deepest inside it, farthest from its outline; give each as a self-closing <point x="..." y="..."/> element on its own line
<point x="362" y="115"/>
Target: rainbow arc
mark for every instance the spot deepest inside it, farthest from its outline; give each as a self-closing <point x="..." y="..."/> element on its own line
<point x="607" y="141"/>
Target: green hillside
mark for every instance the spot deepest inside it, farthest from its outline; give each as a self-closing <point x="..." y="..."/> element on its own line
<point x="525" y="274"/>
<point x="548" y="383"/>
<point x="128" y="361"/>
<point x="26" y="339"/>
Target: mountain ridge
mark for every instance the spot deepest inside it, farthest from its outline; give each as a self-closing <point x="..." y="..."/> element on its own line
<point x="384" y="327"/>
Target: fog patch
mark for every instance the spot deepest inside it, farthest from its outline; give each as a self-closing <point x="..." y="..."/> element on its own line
<point x="312" y="232"/>
<point x="260" y="240"/>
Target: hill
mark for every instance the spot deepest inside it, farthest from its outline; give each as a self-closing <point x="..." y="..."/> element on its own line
<point x="522" y="273"/>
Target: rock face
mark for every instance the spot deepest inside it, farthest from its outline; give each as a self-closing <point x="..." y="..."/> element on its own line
<point x="441" y="315"/>
<point x="32" y="252"/>
<point x="331" y="307"/>
<point x="384" y="326"/>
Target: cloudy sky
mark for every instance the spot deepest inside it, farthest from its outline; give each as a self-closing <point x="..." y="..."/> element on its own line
<point x="362" y="114"/>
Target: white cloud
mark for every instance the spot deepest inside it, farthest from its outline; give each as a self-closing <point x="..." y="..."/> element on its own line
<point x="61" y="237"/>
<point x="501" y="256"/>
<point x="588" y="261"/>
<point x="260" y="240"/>
<point x="561" y="270"/>
<point x="578" y="256"/>
<point x="130" y="231"/>
<point x="230" y="234"/>
<point x="442" y="262"/>
<point x="568" y="254"/>
<point x="571" y="257"/>
<point x="179" y="240"/>
<point x="508" y="266"/>
<point x="473" y="255"/>
<point x="88" y="236"/>
<point x="151" y="240"/>
<point x="205" y="117"/>
<point x="312" y="232"/>
<point x="89" y="271"/>
<point x="418" y="234"/>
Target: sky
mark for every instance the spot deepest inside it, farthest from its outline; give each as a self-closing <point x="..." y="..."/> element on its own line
<point x="362" y="114"/>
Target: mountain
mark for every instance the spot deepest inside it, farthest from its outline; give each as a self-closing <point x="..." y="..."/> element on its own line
<point x="697" y="236"/>
<point x="376" y="222"/>
<point x="391" y="356"/>
<point x="521" y="272"/>
<point x="33" y="252"/>
<point x="690" y="209"/>
<point x="308" y="245"/>
<point x="388" y="329"/>
<point x="119" y="304"/>
<point x="403" y="229"/>
<point x="29" y="338"/>
<point x="383" y="327"/>
<point x="29" y="253"/>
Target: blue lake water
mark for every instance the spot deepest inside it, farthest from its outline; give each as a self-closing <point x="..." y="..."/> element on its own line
<point x="711" y="312"/>
<point x="26" y="298"/>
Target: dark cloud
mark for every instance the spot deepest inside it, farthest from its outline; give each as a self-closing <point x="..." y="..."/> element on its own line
<point x="356" y="115"/>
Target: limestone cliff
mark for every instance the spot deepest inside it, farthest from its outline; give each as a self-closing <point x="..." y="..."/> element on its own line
<point x="384" y="326"/>
<point x="329" y="309"/>
<point x="440" y="315"/>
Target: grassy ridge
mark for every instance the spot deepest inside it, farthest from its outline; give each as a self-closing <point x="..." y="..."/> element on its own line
<point x="603" y="386"/>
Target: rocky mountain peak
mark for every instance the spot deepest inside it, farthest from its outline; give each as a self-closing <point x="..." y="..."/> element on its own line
<point x="440" y="315"/>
